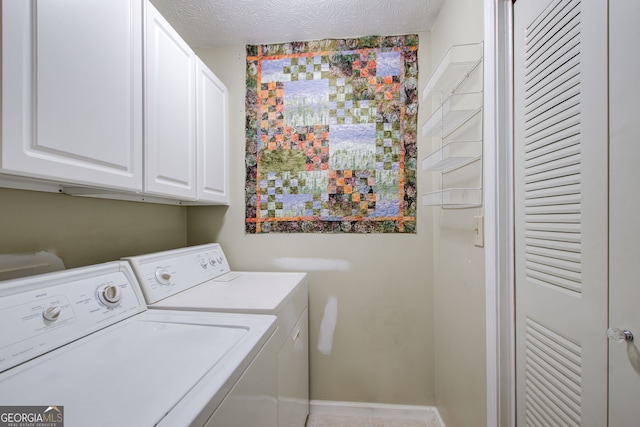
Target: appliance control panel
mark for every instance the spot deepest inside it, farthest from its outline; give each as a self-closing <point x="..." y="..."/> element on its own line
<point x="164" y="274"/>
<point x="51" y="310"/>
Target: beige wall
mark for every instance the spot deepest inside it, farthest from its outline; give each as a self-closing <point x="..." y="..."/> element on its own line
<point x="86" y="231"/>
<point x="459" y="297"/>
<point x="382" y="348"/>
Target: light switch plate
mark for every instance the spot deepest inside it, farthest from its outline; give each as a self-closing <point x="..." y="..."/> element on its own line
<point x="478" y="231"/>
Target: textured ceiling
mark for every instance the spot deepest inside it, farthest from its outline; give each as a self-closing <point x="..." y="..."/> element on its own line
<point x="204" y="23"/>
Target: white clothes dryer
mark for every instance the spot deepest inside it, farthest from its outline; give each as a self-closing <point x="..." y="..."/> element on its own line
<point x="83" y="342"/>
<point x="199" y="278"/>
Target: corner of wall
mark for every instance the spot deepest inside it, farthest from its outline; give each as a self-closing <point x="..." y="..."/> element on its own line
<point x="459" y="277"/>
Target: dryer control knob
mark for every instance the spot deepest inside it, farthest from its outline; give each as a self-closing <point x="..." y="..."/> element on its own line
<point x="110" y="295"/>
<point x="52" y="313"/>
<point x="163" y="276"/>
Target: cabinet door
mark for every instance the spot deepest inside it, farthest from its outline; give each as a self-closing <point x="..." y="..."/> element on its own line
<point x="72" y="91"/>
<point x="170" y="105"/>
<point x="213" y="137"/>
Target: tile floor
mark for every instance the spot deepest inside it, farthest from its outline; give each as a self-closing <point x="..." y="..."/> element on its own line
<point x="330" y="420"/>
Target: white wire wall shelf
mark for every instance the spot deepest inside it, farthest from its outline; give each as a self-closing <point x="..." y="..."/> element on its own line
<point x="456" y="95"/>
<point x="454" y="198"/>
<point x="453" y="69"/>
<point x="453" y="155"/>
<point x="452" y="113"/>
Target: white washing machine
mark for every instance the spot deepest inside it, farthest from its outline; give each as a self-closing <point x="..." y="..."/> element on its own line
<point x="199" y="278"/>
<point x="83" y="343"/>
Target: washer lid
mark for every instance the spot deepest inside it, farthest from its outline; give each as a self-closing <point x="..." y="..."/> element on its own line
<point x="240" y="292"/>
<point x="135" y="372"/>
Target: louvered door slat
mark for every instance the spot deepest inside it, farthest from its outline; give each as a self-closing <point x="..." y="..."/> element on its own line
<point x="556" y="165"/>
<point x="545" y="270"/>
<point x="562" y="183"/>
<point x="560" y="376"/>
<point x="570" y="238"/>
<point x="571" y="123"/>
<point x="567" y="83"/>
<point x="543" y="23"/>
<point x="552" y="44"/>
<point x="558" y="213"/>
<point x="561" y="254"/>
<point x="565" y="198"/>
<point x="558" y="67"/>
<point x="567" y="29"/>
<point x="567" y="188"/>
<point x="554" y="227"/>
<point x="556" y="110"/>
<point x="573" y="218"/>
<point x="563" y="71"/>
<point x="567" y="134"/>
<point x="546" y="259"/>
<point x="560" y="243"/>
<point x="559" y="150"/>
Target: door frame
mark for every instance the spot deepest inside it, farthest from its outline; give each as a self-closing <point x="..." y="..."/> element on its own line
<point x="498" y="203"/>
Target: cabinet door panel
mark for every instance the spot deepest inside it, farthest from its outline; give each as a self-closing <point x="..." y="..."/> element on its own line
<point x="170" y="111"/>
<point x="72" y="103"/>
<point x="212" y="137"/>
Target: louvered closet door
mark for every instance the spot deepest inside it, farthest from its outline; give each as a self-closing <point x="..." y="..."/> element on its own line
<point x="560" y="167"/>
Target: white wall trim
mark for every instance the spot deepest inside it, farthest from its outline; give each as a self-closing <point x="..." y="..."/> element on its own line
<point x="383" y="410"/>
<point x="498" y="202"/>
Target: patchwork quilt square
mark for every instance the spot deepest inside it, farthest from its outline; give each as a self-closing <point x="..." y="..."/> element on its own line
<point x="331" y="136"/>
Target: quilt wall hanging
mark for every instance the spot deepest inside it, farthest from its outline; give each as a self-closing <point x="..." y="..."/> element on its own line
<point x="331" y="136"/>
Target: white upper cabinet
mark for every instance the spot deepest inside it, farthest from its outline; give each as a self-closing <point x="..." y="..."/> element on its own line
<point x="213" y="137"/>
<point x="170" y="111"/>
<point x="72" y="91"/>
<point x="75" y="119"/>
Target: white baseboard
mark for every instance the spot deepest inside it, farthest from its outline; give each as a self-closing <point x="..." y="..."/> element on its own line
<point x="383" y="410"/>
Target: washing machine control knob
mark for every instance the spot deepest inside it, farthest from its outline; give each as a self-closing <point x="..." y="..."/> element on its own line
<point x="203" y="263"/>
<point x="110" y="295"/>
<point x="163" y="276"/>
<point x="52" y="313"/>
<point x="212" y="262"/>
